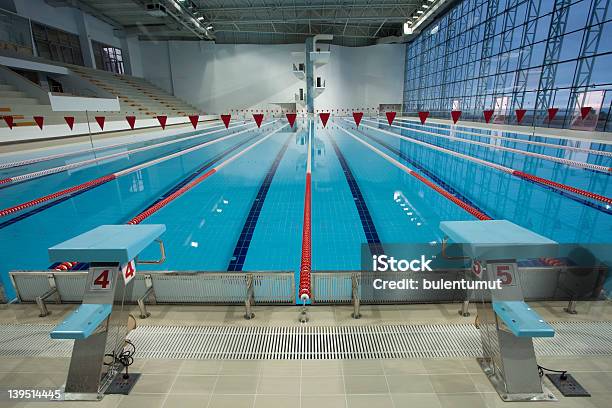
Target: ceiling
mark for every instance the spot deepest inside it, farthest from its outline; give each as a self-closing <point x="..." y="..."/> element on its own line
<point x="352" y="22"/>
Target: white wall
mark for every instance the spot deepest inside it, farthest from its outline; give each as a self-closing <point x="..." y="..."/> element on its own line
<point x="217" y="78"/>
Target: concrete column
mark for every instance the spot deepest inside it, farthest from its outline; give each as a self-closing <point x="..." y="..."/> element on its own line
<point x="84" y="38"/>
<point x="309" y="67"/>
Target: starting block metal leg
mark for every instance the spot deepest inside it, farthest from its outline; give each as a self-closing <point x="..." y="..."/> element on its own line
<point x="250" y="298"/>
<point x="464" y="311"/>
<point x="355" y="295"/>
<point x="571" y="307"/>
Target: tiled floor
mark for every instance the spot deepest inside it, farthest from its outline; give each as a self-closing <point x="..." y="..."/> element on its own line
<point x="319" y="384"/>
<point x="419" y="383"/>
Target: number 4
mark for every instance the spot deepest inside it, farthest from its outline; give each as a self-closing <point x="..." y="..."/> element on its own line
<point x="102" y="279"/>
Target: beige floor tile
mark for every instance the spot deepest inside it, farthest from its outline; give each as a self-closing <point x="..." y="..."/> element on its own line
<point x="186" y="401"/>
<point x="142" y="401"/>
<point x="322" y="386"/>
<point x="595" y="382"/>
<point x="405" y="366"/>
<point x="200" y="367"/>
<point x="161" y="366"/>
<point x="279" y="386"/>
<point x="369" y="401"/>
<point x="324" y="401"/>
<point x="482" y="383"/>
<point x="366" y="384"/>
<point x="362" y="367"/>
<point x="236" y="384"/>
<point x="321" y="368"/>
<point x="452" y="383"/>
<point x="240" y="367"/>
<point x="440" y="366"/>
<point x="278" y="368"/>
<point x="415" y="400"/>
<point x="231" y="401"/>
<point x="194" y="384"/>
<point x="276" y="401"/>
<point x="409" y="384"/>
<point x="154" y="383"/>
<point x="473" y="400"/>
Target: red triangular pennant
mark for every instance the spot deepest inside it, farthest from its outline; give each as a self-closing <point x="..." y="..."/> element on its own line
<point x="162" y="121"/>
<point x="520" y="114"/>
<point x="9" y="121"/>
<point x="584" y="111"/>
<point x="552" y="112"/>
<point x="100" y="120"/>
<point x="39" y="121"/>
<point x="226" y="120"/>
<point x="390" y="117"/>
<point x="258" y="118"/>
<point x="357" y="117"/>
<point x="194" y="120"/>
<point x="324" y="118"/>
<point x="291" y="118"/>
<point x="456" y="114"/>
<point x="488" y="114"/>
<point x="70" y="121"/>
<point x="423" y="116"/>
<point x="131" y="120"/>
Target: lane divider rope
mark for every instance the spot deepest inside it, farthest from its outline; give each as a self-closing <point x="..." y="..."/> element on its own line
<point x="58" y="169"/>
<point x="162" y="203"/>
<point x="465" y="206"/>
<point x="34" y="160"/>
<point x="510" y="139"/>
<point x="306" y="258"/>
<point x="567" y="162"/>
<point x="112" y="176"/>
<point x="516" y="173"/>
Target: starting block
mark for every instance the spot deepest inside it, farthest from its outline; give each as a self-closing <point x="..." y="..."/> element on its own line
<point x="99" y="326"/>
<point x="507" y="324"/>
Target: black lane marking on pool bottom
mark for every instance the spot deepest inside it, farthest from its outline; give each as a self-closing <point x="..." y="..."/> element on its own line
<point x="244" y="240"/>
<point x="67" y="197"/>
<point x="369" y="228"/>
<point x="428" y="173"/>
<point x="197" y="172"/>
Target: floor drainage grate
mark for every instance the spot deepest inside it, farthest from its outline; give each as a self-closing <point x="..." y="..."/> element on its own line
<point x="312" y="342"/>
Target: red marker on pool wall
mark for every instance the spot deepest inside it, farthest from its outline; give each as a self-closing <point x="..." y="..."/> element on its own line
<point x="324" y="118"/>
<point x="520" y="114"/>
<point x="390" y="117"/>
<point x="226" y="120"/>
<point x="455" y="115"/>
<point x="131" y="120"/>
<point x="162" y="121"/>
<point x="100" y="120"/>
<point x="291" y="118"/>
<point x="258" y="118"/>
<point x="357" y="117"/>
<point x="70" y="121"/>
<point x="584" y="111"/>
<point x="488" y="114"/>
<point x="552" y="112"/>
<point x="194" y="120"/>
<point x="9" y="121"/>
<point x="423" y="116"/>
<point x="40" y="120"/>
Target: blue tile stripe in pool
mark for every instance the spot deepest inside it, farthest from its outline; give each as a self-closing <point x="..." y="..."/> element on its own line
<point x="369" y="228"/>
<point x="77" y="193"/>
<point x="198" y="171"/>
<point x="244" y="240"/>
<point x="428" y="173"/>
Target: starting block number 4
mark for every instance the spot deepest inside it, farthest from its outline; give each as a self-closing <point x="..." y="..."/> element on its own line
<point x="128" y="271"/>
<point x="102" y="279"/>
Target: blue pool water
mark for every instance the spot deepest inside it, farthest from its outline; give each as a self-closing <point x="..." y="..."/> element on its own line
<point x="357" y="197"/>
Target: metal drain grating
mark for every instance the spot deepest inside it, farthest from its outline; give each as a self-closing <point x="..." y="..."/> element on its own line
<point x="312" y="342"/>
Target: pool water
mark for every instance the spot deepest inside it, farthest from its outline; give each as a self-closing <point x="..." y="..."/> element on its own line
<point x="249" y="215"/>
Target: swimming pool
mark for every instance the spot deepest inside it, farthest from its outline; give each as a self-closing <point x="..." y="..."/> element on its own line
<point x="248" y="214"/>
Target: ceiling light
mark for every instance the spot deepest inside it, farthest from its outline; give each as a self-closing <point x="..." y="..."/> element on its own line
<point x="425" y="6"/>
<point x="209" y="27"/>
<point x="419" y="12"/>
<point x="200" y="18"/>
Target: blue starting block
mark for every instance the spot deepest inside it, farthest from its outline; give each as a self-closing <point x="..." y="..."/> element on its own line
<point x="522" y="320"/>
<point x="82" y="322"/>
<point x="507" y="324"/>
<point x="111" y="251"/>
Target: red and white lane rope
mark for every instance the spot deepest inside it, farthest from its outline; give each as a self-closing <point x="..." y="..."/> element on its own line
<point x="510" y="139"/>
<point x="113" y="176"/>
<point x="567" y="162"/>
<point x="306" y="260"/>
<point x="516" y="173"/>
<point x="59" y="169"/>
<point x="34" y="160"/>
<point x="161" y="204"/>
<point x="465" y="206"/>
